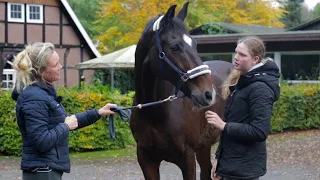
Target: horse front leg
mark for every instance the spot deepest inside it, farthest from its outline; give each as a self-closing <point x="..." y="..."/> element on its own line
<point x="148" y="164"/>
<point x="187" y="164"/>
<point x="204" y="160"/>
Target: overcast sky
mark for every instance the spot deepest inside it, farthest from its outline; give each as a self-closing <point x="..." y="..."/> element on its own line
<point x="311" y="3"/>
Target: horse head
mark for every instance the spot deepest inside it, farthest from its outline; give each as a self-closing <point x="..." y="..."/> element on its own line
<point x="172" y="56"/>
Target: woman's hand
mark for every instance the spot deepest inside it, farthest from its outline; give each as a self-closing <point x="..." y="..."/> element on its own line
<point x="214" y="119"/>
<point x="72" y="122"/>
<point x="105" y="110"/>
<point x="213" y="171"/>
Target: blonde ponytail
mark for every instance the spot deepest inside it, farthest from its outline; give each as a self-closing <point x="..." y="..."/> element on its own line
<point x="23" y="65"/>
<point x="232" y="80"/>
<point x="29" y="62"/>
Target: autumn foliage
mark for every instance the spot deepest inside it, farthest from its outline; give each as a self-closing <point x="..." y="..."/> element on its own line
<point x="121" y="23"/>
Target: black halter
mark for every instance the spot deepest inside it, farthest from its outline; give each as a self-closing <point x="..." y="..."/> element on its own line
<point x="184" y="76"/>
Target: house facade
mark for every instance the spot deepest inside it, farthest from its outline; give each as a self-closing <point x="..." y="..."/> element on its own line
<point x="296" y="51"/>
<point x="24" y="22"/>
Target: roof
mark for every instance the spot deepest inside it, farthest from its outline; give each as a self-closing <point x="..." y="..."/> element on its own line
<point x="305" y="25"/>
<point x="80" y="28"/>
<point x="244" y="28"/>
<point x="280" y="36"/>
<point x="123" y="58"/>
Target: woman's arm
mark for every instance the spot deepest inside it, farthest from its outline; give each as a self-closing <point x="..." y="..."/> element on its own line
<point x="87" y="118"/>
<point x="91" y="116"/>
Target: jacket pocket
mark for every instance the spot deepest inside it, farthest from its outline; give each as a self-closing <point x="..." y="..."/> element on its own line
<point x="237" y="148"/>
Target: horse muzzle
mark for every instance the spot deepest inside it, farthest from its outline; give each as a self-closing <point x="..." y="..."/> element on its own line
<point x="204" y="99"/>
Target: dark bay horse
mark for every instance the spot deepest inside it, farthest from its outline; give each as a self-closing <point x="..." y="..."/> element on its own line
<point x="167" y="61"/>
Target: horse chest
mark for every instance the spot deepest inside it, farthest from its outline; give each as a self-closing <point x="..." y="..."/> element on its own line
<point x="157" y="136"/>
<point x="153" y="137"/>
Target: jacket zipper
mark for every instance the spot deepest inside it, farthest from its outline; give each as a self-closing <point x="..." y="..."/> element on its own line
<point x="229" y="104"/>
<point x="57" y="152"/>
<point x="225" y="115"/>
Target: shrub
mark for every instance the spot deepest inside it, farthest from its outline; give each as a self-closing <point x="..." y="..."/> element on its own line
<point x="94" y="137"/>
<point x="298" y="108"/>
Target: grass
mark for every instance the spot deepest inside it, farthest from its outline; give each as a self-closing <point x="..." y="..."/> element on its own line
<point x="9" y="158"/>
<point x="127" y="153"/>
<point x="108" y="155"/>
<point x="286" y="136"/>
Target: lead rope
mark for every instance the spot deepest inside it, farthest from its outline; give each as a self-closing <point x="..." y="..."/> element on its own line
<point x="125" y="112"/>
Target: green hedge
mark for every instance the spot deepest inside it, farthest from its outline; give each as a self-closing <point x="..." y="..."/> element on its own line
<point x="10" y="140"/>
<point x="94" y="137"/>
<point x="298" y="108"/>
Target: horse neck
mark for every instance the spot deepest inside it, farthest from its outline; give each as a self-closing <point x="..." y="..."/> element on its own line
<point x="150" y="88"/>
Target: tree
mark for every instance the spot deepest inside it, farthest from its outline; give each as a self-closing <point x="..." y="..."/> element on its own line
<point x="255" y="12"/>
<point x="121" y="23"/>
<point x="86" y="11"/>
<point x="292" y="16"/>
<point x="306" y="14"/>
<point x="316" y="11"/>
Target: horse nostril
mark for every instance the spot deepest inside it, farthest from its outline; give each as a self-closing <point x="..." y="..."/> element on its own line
<point x="208" y="95"/>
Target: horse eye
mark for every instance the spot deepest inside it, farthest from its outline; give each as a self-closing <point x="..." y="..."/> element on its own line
<point x="175" y="48"/>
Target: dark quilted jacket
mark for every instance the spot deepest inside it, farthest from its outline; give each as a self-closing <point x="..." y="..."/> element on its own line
<point x="242" y="149"/>
<point x="40" y="118"/>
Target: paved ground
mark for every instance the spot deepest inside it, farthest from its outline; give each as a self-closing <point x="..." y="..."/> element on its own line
<point x="291" y="156"/>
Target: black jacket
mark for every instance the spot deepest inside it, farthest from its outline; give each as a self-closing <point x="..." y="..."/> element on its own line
<point x="242" y="149"/>
<point x="40" y="118"/>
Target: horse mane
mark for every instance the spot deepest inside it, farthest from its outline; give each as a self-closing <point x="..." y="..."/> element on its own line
<point x="142" y="50"/>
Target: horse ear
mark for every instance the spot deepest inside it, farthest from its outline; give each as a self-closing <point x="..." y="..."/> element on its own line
<point x="183" y="12"/>
<point x="169" y="15"/>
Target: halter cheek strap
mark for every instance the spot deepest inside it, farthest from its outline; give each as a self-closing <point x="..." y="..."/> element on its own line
<point x="184" y="76"/>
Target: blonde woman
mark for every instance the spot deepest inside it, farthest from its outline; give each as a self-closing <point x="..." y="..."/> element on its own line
<point x="250" y="90"/>
<point x="42" y="120"/>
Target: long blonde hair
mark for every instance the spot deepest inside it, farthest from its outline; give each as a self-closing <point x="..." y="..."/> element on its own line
<point x="30" y="62"/>
<point x="256" y="48"/>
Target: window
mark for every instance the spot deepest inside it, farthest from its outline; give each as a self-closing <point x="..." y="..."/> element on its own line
<point x="222" y="57"/>
<point x="34" y="13"/>
<point x="8" y="79"/>
<point x="270" y="55"/>
<point x="15" y="12"/>
<point x="300" y="67"/>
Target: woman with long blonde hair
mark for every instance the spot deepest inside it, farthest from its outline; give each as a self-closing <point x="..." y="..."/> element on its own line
<point x="250" y="90"/>
<point x="42" y="120"/>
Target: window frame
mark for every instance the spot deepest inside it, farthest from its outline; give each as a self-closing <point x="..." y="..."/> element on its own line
<point x="10" y="19"/>
<point x="7" y="72"/>
<point x="38" y="21"/>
